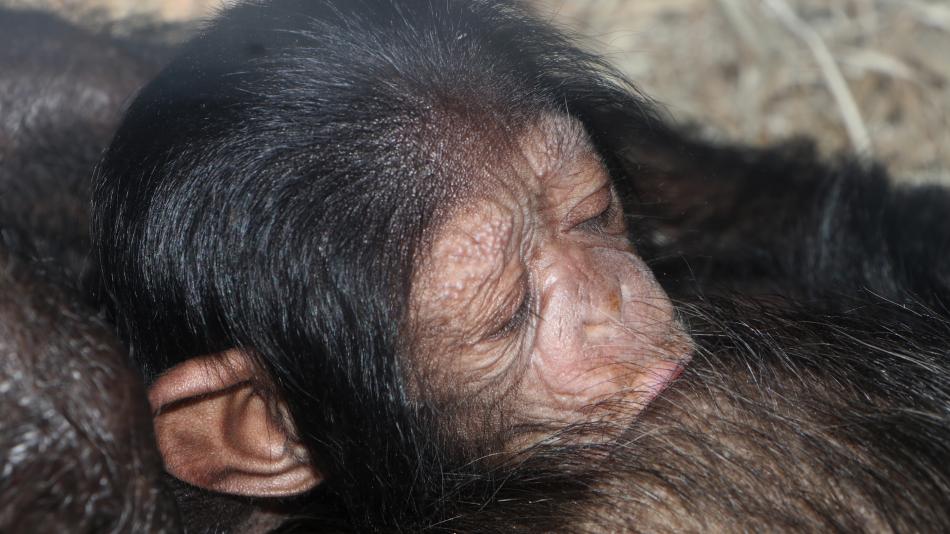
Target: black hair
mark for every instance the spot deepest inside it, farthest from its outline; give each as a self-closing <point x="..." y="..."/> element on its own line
<point x="271" y="189"/>
<point x="784" y="220"/>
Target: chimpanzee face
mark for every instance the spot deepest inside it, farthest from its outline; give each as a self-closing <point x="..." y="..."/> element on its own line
<point x="532" y="297"/>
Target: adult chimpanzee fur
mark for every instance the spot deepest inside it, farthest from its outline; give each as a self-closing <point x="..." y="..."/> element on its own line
<point x="62" y="90"/>
<point x="778" y="220"/>
<point x="77" y="452"/>
<point x="269" y="188"/>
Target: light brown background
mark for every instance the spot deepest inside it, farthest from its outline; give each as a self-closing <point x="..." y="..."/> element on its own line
<point x="741" y="71"/>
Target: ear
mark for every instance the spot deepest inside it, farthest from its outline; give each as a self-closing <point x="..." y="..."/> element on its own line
<point x="215" y="431"/>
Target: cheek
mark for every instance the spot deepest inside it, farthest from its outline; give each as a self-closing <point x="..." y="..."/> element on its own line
<point x="607" y="329"/>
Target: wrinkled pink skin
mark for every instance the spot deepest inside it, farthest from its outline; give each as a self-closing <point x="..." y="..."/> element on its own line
<point x="548" y="228"/>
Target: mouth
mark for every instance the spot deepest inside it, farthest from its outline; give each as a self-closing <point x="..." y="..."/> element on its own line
<point x="661" y="376"/>
<point x="677" y="372"/>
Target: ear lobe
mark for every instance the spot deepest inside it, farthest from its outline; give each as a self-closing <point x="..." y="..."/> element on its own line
<point x="215" y="431"/>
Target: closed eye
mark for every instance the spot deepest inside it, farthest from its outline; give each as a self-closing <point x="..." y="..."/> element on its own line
<point x="515" y="320"/>
<point x="599" y="222"/>
<point x="599" y="212"/>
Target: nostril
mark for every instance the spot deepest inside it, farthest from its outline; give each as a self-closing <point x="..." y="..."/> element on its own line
<point x="614" y="304"/>
<point x="605" y="316"/>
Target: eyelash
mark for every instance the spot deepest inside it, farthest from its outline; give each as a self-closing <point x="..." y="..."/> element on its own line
<point x="604" y="217"/>
<point x="602" y="220"/>
<point x="517" y="320"/>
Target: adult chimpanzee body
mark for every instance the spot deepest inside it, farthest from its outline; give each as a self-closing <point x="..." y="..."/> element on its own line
<point x="376" y="248"/>
<point x="77" y="450"/>
<point x="77" y="453"/>
<point x="62" y="90"/>
<point x="778" y="220"/>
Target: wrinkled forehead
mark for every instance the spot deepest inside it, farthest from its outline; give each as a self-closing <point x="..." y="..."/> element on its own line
<point x="510" y="173"/>
<point x="540" y="152"/>
<point x="479" y="237"/>
<point x="520" y="167"/>
<point x="552" y="144"/>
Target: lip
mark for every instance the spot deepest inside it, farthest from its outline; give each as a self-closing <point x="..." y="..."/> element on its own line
<point x="665" y="377"/>
<point x="676" y="373"/>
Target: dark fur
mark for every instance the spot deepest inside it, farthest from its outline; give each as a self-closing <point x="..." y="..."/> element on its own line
<point x="76" y="447"/>
<point x="778" y="220"/>
<point x="62" y="90"/>
<point x="77" y="452"/>
<point x="796" y="421"/>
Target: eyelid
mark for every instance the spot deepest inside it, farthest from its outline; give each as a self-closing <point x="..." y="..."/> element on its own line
<point x="594" y="207"/>
<point x="515" y="319"/>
